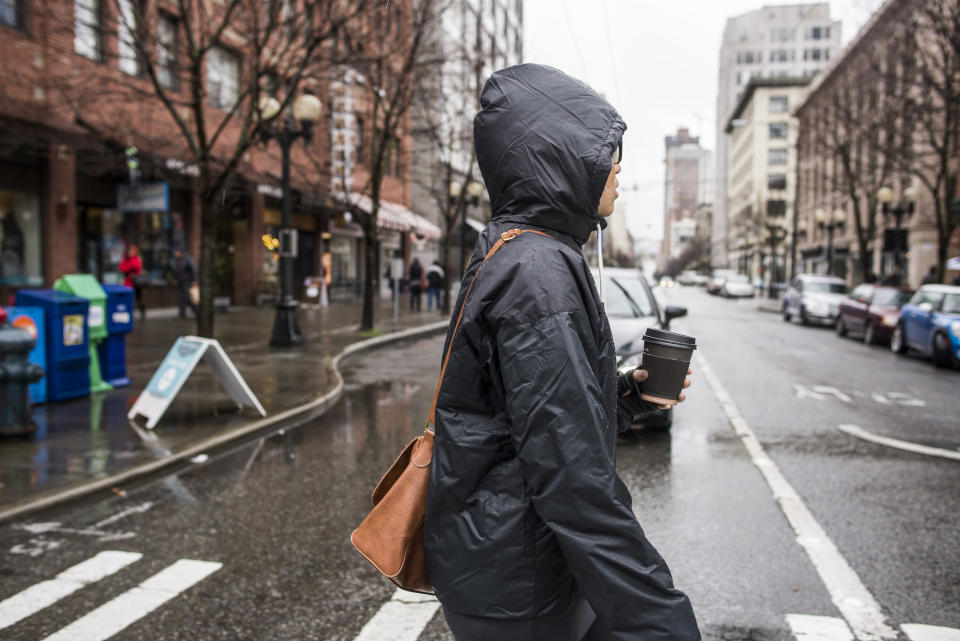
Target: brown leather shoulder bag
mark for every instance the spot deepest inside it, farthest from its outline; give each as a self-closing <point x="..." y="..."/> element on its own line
<point x="391" y="535"/>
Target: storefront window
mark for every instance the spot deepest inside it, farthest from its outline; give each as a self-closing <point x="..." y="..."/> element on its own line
<point x="20" y="255"/>
<point x="108" y="232"/>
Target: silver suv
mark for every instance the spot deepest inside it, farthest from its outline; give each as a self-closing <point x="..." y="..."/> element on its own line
<point x="814" y="299"/>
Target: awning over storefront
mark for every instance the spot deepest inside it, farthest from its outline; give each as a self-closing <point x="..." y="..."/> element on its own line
<point x="396" y="217"/>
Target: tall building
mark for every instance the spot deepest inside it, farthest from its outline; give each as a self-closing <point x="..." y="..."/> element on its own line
<point x="474" y="38"/>
<point x="686" y="187"/>
<point x="787" y="41"/>
<point x="763" y="174"/>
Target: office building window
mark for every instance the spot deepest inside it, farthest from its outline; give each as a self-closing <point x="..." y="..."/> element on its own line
<point x="778" y="130"/>
<point x="779" y="104"/>
<point x="813" y="54"/>
<point x="777" y="157"/>
<point x="777" y="181"/>
<point x="86" y="28"/>
<point x="223" y="78"/>
<point x="167" y="52"/>
<point x="776" y="208"/>
<point x="783" y="34"/>
<point x="782" y="55"/>
<point x="126" y="45"/>
<point x="10" y="13"/>
<point x="817" y="33"/>
<point x="749" y="57"/>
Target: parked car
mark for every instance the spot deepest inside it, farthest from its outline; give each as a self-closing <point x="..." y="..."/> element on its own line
<point x="716" y="280"/>
<point x="872" y="311"/>
<point x="701" y="280"/>
<point x="687" y="278"/>
<point x="631" y="309"/>
<point x="814" y="299"/>
<point x="737" y="286"/>
<point x="930" y="323"/>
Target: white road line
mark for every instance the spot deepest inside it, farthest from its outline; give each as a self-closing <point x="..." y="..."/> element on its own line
<point x="402" y="618"/>
<point x="858" y="432"/>
<point x="920" y="632"/>
<point x="43" y="595"/>
<point x="848" y="593"/>
<point x="115" y="615"/>
<point x="810" y="628"/>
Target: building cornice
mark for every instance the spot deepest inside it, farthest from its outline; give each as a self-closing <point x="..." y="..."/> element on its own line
<point x="762" y="83"/>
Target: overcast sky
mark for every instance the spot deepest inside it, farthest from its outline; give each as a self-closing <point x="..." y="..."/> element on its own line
<point x="656" y="61"/>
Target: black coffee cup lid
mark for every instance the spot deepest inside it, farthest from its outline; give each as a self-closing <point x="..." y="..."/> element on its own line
<point x="669" y="339"/>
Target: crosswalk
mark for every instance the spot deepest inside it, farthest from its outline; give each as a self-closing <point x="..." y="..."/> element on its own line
<point x="118" y="613"/>
<point x="402" y="618"/>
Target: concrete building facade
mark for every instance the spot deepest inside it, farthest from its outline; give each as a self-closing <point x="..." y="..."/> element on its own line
<point x="762" y="185"/>
<point x="782" y="41"/>
<point x="686" y="187"/>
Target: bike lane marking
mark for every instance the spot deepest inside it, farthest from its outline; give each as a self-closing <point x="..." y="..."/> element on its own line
<point x="921" y="632"/>
<point x="806" y="627"/>
<point x="907" y="446"/>
<point x="42" y="595"/>
<point x="402" y="618"/>
<point x="853" y="600"/>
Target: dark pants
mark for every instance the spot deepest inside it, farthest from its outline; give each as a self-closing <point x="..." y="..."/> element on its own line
<point x="183" y="300"/>
<point x="415" y="297"/>
<point x="138" y="295"/>
<point x="577" y="624"/>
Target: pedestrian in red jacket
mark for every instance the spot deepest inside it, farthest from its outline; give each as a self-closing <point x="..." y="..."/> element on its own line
<point x="132" y="268"/>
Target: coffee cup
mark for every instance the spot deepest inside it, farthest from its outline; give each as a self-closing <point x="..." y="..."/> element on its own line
<point x="666" y="357"/>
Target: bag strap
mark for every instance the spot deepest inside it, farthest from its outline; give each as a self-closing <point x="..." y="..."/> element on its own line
<point x="505" y="237"/>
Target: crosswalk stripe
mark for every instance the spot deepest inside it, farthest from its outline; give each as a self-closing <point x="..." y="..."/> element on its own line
<point x="402" y="618"/>
<point x="807" y="627"/>
<point x="921" y="632"/>
<point x="115" y="615"/>
<point x="43" y="595"/>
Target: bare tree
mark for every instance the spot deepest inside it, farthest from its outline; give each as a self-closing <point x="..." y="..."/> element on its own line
<point x="206" y="67"/>
<point x="393" y="63"/>
<point x="924" y="77"/>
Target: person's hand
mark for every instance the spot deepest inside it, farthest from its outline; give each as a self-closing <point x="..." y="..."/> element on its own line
<point x="640" y="375"/>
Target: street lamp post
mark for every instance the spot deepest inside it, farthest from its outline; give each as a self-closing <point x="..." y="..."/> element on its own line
<point x="829" y="222"/>
<point x="905" y="207"/>
<point x="474" y="190"/>
<point x="776" y="233"/>
<point x="296" y="123"/>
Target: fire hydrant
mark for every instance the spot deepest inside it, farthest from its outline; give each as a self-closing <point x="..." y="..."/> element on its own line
<point x="16" y="375"/>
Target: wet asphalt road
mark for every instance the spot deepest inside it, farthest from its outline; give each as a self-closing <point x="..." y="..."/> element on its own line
<point x="277" y="513"/>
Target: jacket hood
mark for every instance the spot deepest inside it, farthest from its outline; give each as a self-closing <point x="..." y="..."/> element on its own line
<point x="544" y="142"/>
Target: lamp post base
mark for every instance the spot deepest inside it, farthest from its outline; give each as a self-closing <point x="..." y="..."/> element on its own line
<point x="286" y="327"/>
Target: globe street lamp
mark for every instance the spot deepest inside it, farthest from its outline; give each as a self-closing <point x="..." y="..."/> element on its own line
<point x="905" y="207"/>
<point x="474" y="191"/>
<point x="296" y="122"/>
<point x="830" y="222"/>
<point x="776" y="233"/>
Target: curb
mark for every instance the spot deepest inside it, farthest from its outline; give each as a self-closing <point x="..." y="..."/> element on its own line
<point x="322" y="403"/>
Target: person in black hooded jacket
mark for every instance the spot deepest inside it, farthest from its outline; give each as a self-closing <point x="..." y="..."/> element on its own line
<point x="529" y="531"/>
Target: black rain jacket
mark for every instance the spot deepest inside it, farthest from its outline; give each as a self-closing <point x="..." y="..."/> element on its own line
<point x="525" y="511"/>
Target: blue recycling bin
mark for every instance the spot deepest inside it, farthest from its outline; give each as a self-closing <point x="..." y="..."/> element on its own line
<point x="33" y="320"/>
<point x="67" y="341"/>
<point x="113" y="350"/>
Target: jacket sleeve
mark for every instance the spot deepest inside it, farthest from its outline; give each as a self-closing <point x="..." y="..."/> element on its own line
<point x="560" y="431"/>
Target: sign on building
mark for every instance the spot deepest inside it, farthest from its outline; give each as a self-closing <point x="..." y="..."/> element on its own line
<point x="145" y="197"/>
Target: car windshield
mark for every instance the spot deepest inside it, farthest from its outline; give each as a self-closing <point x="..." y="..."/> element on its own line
<point x="891" y="297"/>
<point x="626" y="298"/>
<point x="825" y="287"/>
<point x="737" y="278"/>
<point x="951" y="304"/>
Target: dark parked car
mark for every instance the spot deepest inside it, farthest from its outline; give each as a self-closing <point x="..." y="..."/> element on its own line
<point x="872" y="311"/>
<point x="930" y="323"/>
<point x="814" y="299"/>
<point x="631" y="309"/>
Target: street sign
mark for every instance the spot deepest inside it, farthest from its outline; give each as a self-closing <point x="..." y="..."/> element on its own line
<point x="176" y="368"/>
<point x="144" y="198"/>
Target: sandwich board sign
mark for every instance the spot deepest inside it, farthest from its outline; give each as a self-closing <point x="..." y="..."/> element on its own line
<point x="176" y="368"/>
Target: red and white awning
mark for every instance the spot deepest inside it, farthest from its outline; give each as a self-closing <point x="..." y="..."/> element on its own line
<point x="395" y="216"/>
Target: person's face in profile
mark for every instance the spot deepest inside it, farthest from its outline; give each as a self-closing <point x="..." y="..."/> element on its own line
<point x="610" y="194"/>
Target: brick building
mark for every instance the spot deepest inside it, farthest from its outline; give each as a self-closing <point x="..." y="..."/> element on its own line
<point x="76" y="97"/>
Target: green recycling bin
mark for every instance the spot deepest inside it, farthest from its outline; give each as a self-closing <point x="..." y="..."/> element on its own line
<point x="86" y="286"/>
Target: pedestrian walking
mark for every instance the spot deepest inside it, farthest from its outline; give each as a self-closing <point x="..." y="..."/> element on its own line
<point x="185" y="275"/>
<point x="931" y="276"/>
<point x="434" y="284"/>
<point x="529" y="532"/>
<point x="414" y="274"/>
<point x="132" y="269"/>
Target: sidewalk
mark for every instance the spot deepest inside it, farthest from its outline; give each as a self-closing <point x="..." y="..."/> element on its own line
<point x="86" y="445"/>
